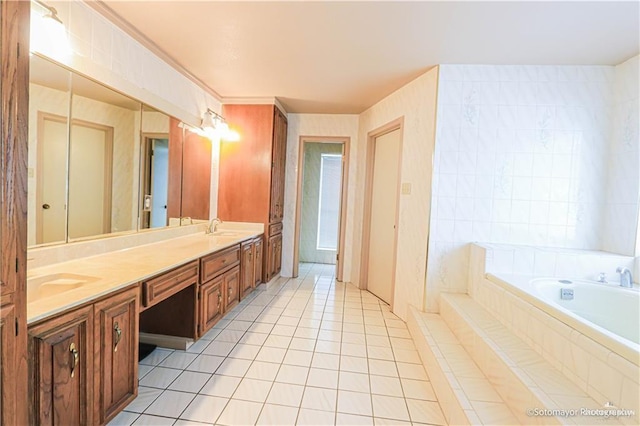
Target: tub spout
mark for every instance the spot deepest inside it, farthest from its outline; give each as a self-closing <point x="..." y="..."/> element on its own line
<point x="625" y="277"/>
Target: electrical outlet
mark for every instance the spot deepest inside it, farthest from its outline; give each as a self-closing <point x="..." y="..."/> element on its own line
<point x="406" y="188"/>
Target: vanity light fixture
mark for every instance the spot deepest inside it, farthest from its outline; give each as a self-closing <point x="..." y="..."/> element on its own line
<point x="48" y="33"/>
<point x="214" y="125"/>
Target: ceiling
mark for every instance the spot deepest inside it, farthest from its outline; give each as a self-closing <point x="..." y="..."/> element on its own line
<point x="343" y="57"/>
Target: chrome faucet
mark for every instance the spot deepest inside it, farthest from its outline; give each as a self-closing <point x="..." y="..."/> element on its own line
<point x="213" y="226"/>
<point x="625" y="277"/>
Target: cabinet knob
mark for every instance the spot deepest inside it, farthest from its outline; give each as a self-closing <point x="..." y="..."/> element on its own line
<point x="75" y="358"/>
<point x="219" y="298"/>
<point x="46" y="206"/>
<point x="118" y="332"/>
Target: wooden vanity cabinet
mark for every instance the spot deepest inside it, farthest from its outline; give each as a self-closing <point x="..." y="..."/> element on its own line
<point x="258" y="250"/>
<point x="61" y="383"/>
<point x="252" y="172"/>
<point x="247" y="270"/>
<point x="116" y="349"/>
<point x="274" y="255"/>
<point x="210" y="300"/>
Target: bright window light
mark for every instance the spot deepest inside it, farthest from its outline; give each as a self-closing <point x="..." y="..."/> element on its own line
<point x="329" y="201"/>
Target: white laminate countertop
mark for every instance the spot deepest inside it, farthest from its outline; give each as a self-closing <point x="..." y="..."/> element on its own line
<point x="118" y="269"/>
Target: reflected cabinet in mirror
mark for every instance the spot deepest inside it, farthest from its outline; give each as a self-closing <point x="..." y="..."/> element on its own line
<point x="101" y="163"/>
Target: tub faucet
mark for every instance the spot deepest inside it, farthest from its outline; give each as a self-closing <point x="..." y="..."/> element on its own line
<point x="213" y="225"/>
<point x="625" y="277"/>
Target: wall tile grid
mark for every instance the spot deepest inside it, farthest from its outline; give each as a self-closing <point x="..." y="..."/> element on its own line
<point x="519" y="159"/>
<point x="601" y="373"/>
<point x="105" y="53"/>
<point x="623" y="185"/>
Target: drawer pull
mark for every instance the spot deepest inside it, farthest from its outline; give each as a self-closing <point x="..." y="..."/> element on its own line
<point x="219" y="298"/>
<point x="118" y="331"/>
<point x="75" y="358"/>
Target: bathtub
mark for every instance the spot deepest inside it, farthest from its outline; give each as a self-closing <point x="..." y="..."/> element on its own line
<point x="607" y="306"/>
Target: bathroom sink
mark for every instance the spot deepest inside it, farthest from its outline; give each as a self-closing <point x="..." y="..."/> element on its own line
<point x="53" y="284"/>
<point x="225" y="234"/>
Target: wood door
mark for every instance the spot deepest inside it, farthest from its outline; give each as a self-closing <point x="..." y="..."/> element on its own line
<point x="14" y="119"/>
<point x="61" y="356"/>
<point x="116" y="347"/>
<point x="211" y="308"/>
<point x="246" y="269"/>
<point x="258" y="250"/>
<point x="232" y="288"/>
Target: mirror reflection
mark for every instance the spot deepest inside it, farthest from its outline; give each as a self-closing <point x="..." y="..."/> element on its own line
<point x="159" y="169"/>
<point x="103" y="149"/>
<point x="49" y="98"/>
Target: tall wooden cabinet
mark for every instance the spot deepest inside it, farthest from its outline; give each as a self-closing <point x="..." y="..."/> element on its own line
<point x="14" y="108"/>
<point x="252" y="174"/>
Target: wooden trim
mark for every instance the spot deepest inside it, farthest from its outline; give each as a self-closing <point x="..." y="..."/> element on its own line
<point x="14" y="142"/>
<point x="346" y="142"/>
<point x="397" y="124"/>
<point x="104" y="10"/>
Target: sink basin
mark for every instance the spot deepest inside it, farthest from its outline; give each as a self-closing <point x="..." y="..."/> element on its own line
<point x="53" y="284"/>
<point x="225" y="234"/>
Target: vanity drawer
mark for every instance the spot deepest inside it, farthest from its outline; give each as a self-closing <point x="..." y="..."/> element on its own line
<point x="216" y="263"/>
<point x="157" y="289"/>
<point x="275" y="228"/>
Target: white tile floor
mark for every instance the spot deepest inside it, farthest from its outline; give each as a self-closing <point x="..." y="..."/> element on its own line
<point x="307" y="351"/>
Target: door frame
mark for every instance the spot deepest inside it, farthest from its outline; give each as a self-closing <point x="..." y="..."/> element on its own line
<point x="146" y="146"/>
<point x="345" y="141"/>
<point x="397" y="124"/>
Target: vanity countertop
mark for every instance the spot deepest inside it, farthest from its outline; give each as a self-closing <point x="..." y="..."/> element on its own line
<point x="118" y="269"/>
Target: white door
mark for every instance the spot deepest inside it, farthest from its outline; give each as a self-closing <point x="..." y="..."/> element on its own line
<point x="89" y="181"/>
<point x="52" y="181"/>
<point x="159" y="182"/>
<point x="384" y="205"/>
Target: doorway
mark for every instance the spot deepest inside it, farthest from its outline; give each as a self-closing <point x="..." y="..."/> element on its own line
<point x="155" y="180"/>
<point x="321" y="202"/>
<point x="380" y="227"/>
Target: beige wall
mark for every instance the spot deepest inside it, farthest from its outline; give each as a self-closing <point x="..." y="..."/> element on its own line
<point x="416" y="102"/>
<point x="335" y="125"/>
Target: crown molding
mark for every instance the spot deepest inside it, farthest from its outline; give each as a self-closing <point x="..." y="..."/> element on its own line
<point x="254" y="101"/>
<point x="100" y="7"/>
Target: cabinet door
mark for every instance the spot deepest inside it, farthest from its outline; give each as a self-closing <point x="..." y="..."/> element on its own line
<point x="257" y="261"/>
<point x="211" y="309"/>
<point x="246" y="269"/>
<point x="61" y="370"/>
<point x="278" y="155"/>
<point x="116" y="346"/>
<point x="7" y="368"/>
<point x="277" y="255"/>
<point x="232" y="287"/>
<point x="274" y="255"/>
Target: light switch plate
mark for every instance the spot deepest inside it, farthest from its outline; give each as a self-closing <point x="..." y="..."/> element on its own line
<point x="406" y="188"/>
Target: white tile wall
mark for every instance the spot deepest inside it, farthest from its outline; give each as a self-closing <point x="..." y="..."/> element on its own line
<point x="623" y="186"/>
<point x="521" y="158"/>
<point x="105" y="53"/>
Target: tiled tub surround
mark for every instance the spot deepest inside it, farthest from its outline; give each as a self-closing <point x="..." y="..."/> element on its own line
<point x="539" y="155"/>
<point x="604" y="367"/>
<point x="113" y="270"/>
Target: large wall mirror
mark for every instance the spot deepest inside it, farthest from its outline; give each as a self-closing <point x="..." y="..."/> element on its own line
<point x="100" y="162"/>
